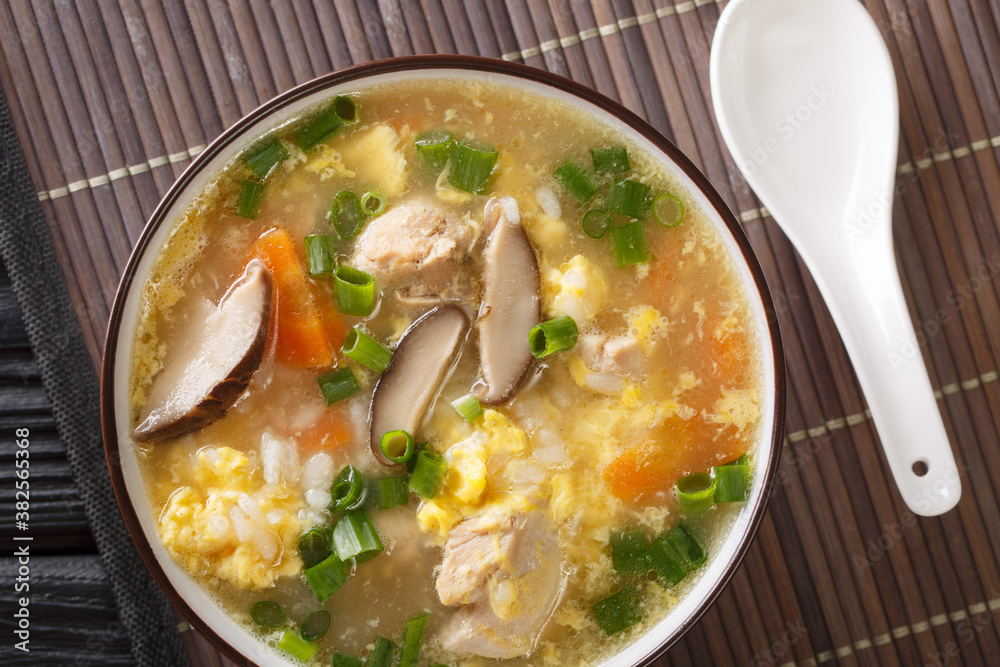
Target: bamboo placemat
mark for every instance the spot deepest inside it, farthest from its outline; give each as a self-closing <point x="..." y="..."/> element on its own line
<point x="112" y="99"/>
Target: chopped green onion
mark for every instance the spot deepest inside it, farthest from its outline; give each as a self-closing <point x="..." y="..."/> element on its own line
<point x="345" y="108"/>
<point x="384" y="653"/>
<point x="355" y="536"/>
<point x="629" y="244"/>
<point x="471" y="165"/>
<point x="555" y="335"/>
<point x="248" y="203"/>
<point x="355" y="291"/>
<point x="338" y="384"/>
<point x="412" y="463"/>
<point x="397" y="446"/>
<point x="320" y="127"/>
<point x="319" y="253"/>
<point x="265" y="157"/>
<point x="612" y="160"/>
<point x="596" y="223"/>
<point x="427" y="473"/>
<point x="314" y="547"/>
<point x="346" y="214"/>
<point x="732" y="481"/>
<point x="468" y="406"/>
<point x="434" y="148"/>
<point x="630" y="198"/>
<point x="391" y="492"/>
<point x="373" y="202"/>
<point x="413" y="635"/>
<point x="628" y="553"/>
<point x="619" y="611"/>
<point x="668" y="210"/>
<point x="296" y="646"/>
<point x="696" y="492"/>
<point x="347" y="491"/>
<point x="315" y="625"/>
<point x="268" y="614"/>
<point x="326" y="577"/>
<point x="665" y="561"/>
<point x="365" y="350"/>
<point x="345" y="660"/>
<point x="576" y="180"/>
<point x="687" y="546"/>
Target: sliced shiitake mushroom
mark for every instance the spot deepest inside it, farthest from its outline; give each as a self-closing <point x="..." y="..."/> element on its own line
<point x="419" y="365"/>
<point x="511" y="304"/>
<point x="201" y="381"/>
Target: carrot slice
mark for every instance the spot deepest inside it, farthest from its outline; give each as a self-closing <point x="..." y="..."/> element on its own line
<point x="637" y="475"/>
<point x="332" y="431"/>
<point x="333" y="325"/>
<point x="305" y="332"/>
<point x="645" y="470"/>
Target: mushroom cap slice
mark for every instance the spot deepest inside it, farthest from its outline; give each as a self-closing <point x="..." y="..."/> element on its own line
<point x="419" y="365"/>
<point x="511" y="304"/>
<point x="201" y="381"/>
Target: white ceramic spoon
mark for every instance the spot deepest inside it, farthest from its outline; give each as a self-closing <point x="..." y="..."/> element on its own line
<point x="806" y="100"/>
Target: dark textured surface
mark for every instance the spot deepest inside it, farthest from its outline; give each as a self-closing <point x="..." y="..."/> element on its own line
<point x="74" y="617"/>
<point x="840" y="570"/>
<point x="38" y="285"/>
<point x="58" y="522"/>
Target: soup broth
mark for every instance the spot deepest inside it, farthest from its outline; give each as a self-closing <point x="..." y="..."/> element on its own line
<point x="662" y="379"/>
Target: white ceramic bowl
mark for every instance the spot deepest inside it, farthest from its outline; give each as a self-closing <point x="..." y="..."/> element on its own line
<point x="202" y="610"/>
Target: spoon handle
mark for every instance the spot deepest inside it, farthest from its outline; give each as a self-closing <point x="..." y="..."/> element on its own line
<point x="865" y="297"/>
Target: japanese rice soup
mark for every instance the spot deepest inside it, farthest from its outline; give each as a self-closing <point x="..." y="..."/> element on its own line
<point x="449" y="369"/>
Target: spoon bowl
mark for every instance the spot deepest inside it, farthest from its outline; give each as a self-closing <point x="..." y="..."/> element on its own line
<point x="806" y="101"/>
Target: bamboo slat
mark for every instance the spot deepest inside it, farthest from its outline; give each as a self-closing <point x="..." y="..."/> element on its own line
<point x="111" y="99"/>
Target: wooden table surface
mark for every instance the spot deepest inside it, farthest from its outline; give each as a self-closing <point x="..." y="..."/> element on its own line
<point x="112" y="98"/>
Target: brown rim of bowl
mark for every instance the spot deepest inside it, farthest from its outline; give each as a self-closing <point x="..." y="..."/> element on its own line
<point x="389" y="65"/>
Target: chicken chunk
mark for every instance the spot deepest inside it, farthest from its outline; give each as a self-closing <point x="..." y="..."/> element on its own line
<point x="476" y="549"/>
<point x="621" y="355"/>
<point x="506" y="569"/>
<point x="420" y="251"/>
<point x="603" y="365"/>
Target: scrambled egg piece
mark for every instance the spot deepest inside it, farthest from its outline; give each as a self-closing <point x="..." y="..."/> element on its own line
<point x="561" y="504"/>
<point x="647" y="326"/>
<point x="466" y="479"/>
<point x="207" y="529"/>
<point x="729" y="325"/>
<point x="688" y="381"/>
<point x="377" y="158"/>
<point x="445" y="191"/>
<point x="739" y="407"/>
<point x="328" y="162"/>
<point x="577" y="288"/>
<point x="699" y="310"/>
<point x="399" y="323"/>
<point x="466" y="488"/>
<point x="548" y="233"/>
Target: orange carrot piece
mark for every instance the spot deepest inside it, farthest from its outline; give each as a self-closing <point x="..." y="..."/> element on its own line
<point x="646" y="469"/>
<point x="636" y="475"/>
<point x="333" y="325"/>
<point x="303" y="330"/>
<point x="332" y="431"/>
